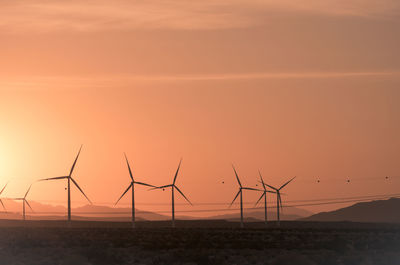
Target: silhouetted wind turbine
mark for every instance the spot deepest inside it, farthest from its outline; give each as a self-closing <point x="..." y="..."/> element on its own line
<point x="69" y="178"/>
<point x="1" y="201"/>
<point x="132" y="185"/>
<point x="173" y="187"/>
<point x="278" y="198"/>
<point x="241" y="188"/>
<point x="264" y="194"/>
<point x="24" y="201"/>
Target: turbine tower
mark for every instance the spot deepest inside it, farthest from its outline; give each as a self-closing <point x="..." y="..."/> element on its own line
<point x="173" y="187"/>
<point x="241" y="188"/>
<point x="1" y="201"/>
<point x="69" y="179"/>
<point x="132" y="185"/>
<point x="278" y="198"/>
<point x="24" y="201"/>
<point x="264" y="194"/>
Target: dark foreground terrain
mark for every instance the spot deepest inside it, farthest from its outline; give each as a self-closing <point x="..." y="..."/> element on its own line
<point x="216" y="242"/>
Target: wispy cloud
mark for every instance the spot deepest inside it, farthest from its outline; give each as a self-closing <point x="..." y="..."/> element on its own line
<point x="362" y="8"/>
<point x="90" y="15"/>
<point x="115" y="81"/>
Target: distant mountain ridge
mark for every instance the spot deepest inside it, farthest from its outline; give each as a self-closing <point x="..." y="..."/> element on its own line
<point x="381" y="211"/>
<point x="290" y="213"/>
<point x="86" y="212"/>
<point x="106" y="213"/>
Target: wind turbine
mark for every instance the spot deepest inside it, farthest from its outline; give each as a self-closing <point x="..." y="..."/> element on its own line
<point x="132" y="185"/>
<point x="264" y="194"/>
<point x="24" y="201"/>
<point x="173" y="187"/>
<point x="1" y="201"/>
<point x="241" y="188"/>
<point x="69" y="178"/>
<point x="278" y="198"/>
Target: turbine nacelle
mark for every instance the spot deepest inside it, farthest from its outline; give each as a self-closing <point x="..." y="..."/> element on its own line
<point x="173" y="187"/>
<point x="278" y="195"/>
<point x="240" y="186"/>
<point x="69" y="178"/>
<point x="265" y="191"/>
<point x="73" y="181"/>
<point x="133" y="182"/>
<point x="24" y="201"/>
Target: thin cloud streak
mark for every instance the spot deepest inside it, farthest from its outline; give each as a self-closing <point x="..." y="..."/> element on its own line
<point x="88" y="15"/>
<point x="310" y="75"/>
<point x="60" y="82"/>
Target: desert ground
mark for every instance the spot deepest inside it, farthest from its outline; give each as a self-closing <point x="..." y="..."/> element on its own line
<point x="198" y="242"/>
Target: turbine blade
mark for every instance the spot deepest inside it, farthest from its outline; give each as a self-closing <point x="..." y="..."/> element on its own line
<point x="144" y="184"/>
<point x="130" y="185"/>
<point x="262" y="181"/>
<point x="76" y="184"/>
<point x="27" y="203"/>
<point x="161" y="187"/>
<point x="246" y="188"/>
<point x="262" y="195"/>
<point x="76" y="159"/>
<point x="129" y="167"/>
<point x="26" y="194"/>
<point x="287" y="183"/>
<point x="271" y="187"/>
<point x="4" y="207"/>
<point x="182" y="194"/>
<point x="176" y="174"/>
<point x="237" y="194"/>
<point x="236" y="174"/>
<point x="63" y="177"/>
<point x="165" y="186"/>
<point x="270" y="191"/>
<point x="3" y="188"/>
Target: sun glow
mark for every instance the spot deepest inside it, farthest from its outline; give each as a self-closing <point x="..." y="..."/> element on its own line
<point x="7" y="165"/>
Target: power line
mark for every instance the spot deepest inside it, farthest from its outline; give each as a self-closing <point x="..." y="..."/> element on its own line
<point x="227" y="203"/>
<point x="348" y="198"/>
<point x="224" y="209"/>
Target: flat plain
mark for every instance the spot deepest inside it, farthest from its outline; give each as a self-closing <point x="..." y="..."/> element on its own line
<point x="198" y="242"/>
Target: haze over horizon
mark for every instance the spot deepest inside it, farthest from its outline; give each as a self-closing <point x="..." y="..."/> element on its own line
<point x="293" y="90"/>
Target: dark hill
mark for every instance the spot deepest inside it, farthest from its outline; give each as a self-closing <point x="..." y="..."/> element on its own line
<point x="290" y="213"/>
<point x="382" y="211"/>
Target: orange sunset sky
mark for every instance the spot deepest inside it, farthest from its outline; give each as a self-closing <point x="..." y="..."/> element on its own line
<point x="293" y="88"/>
